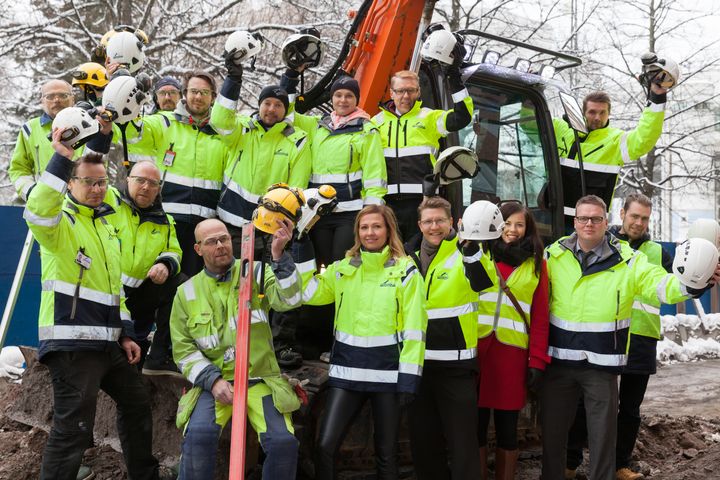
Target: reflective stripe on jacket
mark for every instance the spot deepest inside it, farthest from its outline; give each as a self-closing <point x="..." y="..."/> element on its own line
<point x="497" y="313"/>
<point x="590" y="312"/>
<point x="82" y="307"/>
<point x="380" y="321"/>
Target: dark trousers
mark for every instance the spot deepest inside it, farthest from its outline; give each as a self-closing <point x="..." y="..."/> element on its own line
<point x="631" y="395"/>
<point x="562" y="387"/>
<point x="340" y="409"/>
<point x="151" y="304"/>
<point x="191" y="262"/>
<point x="506" y="422"/>
<point x="332" y="236"/>
<point x="442" y="421"/>
<point x="76" y="378"/>
<point x="406" y="213"/>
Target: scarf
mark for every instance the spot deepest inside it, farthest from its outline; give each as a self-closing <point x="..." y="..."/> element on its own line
<point x="514" y="253"/>
<point x="339" y="122"/>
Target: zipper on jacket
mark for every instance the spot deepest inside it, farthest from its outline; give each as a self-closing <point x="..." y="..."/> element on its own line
<point x="347" y="174"/>
<point x="427" y="293"/>
<point x="397" y="329"/>
<point x="225" y="189"/>
<point x="76" y="296"/>
<point x="337" y="314"/>
<point x="617" y="314"/>
<point x="397" y="159"/>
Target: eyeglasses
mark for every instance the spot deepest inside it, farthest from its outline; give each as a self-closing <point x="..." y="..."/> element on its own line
<point x="57" y="96"/>
<point x="593" y="220"/>
<point x="211" y="242"/>
<point x="404" y="91"/>
<point x="173" y="93"/>
<point x="142" y="181"/>
<point x="440" y="222"/>
<point x="204" y="92"/>
<point x="92" y="181"/>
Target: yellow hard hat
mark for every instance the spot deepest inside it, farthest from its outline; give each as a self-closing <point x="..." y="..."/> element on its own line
<point x="90" y="73"/>
<point x="280" y="202"/>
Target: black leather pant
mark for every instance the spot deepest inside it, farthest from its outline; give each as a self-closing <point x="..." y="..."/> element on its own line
<point x="340" y="409"/>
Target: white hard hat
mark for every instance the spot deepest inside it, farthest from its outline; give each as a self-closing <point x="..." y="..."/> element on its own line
<point x="125" y="48"/>
<point x="125" y="97"/>
<point x="78" y="124"/>
<point x="695" y="262"/>
<point x="456" y="163"/>
<point x="706" y="228"/>
<point x="302" y="49"/>
<point x="439" y="45"/>
<point x="662" y="71"/>
<point x="482" y="220"/>
<point x="245" y="44"/>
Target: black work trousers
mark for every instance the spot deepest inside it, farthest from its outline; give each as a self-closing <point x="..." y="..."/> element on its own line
<point x="406" y="212"/>
<point x="191" y="262"/>
<point x="76" y="378"/>
<point x="506" y="423"/>
<point x="442" y="421"/>
<point x="341" y="408"/>
<point x="630" y="395"/>
<point x="151" y="304"/>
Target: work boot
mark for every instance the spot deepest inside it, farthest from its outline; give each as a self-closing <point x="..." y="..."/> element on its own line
<point x="483" y="463"/>
<point x="570" y="473"/>
<point x="288" y="358"/>
<point x="505" y="463"/>
<point x="85" y="473"/>
<point x="165" y="366"/>
<point x="627" y="474"/>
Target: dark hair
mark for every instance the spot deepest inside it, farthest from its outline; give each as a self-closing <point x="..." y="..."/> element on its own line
<point x="591" y="200"/>
<point x="435" y="202"/>
<point x="639" y="198"/>
<point x="199" y="74"/>
<point x="597" y="97"/>
<point x="89" y="158"/>
<point x="531" y="232"/>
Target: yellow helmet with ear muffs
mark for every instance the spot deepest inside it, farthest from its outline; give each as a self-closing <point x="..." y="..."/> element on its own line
<point x="279" y="203"/>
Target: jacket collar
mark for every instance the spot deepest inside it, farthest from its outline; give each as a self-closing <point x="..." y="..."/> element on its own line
<point x="182" y="115"/>
<point x="154" y="212"/>
<point x="76" y="208"/>
<point x="377" y="260"/>
<point x="45" y="119"/>
<point x="636" y="244"/>
<point x="612" y="252"/>
<point x="389" y="107"/>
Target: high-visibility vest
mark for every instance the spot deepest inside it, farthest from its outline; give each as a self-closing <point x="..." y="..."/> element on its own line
<point x="645" y="319"/>
<point x="496" y="312"/>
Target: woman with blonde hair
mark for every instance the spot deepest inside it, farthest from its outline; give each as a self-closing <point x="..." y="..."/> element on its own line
<point x="379" y="331"/>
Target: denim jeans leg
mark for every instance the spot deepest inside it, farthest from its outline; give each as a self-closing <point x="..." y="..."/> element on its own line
<point x="199" y="448"/>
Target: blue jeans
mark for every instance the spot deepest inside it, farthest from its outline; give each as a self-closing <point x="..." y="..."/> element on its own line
<point x="199" y="448"/>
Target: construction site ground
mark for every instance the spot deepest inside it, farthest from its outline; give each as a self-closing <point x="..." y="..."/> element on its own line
<point x="679" y="438"/>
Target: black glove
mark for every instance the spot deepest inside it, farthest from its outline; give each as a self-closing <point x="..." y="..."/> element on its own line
<point x="234" y="68"/>
<point x="405" y="398"/>
<point x="431" y="182"/>
<point x="469" y="247"/>
<point x="534" y="379"/>
<point x="458" y="53"/>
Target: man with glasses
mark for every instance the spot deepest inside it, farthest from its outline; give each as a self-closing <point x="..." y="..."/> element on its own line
<point x="644" y="335"/>
<point x="594" y="280"/>
<point x="33" y="148"/>
<point x="150" y="264"/>
<point x="203" y="324"/>
<point x="166" y="95"/>
<point x="411" y="137"/>
<point x="443" y="416"/>
<point x="85" y="331"/>
<point x="191" y="157"/>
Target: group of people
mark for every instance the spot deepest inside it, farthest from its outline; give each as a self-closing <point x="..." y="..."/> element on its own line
<point x="452" y="325"/>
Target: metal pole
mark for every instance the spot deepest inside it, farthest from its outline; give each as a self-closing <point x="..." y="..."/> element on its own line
<point x="15" y="289"/>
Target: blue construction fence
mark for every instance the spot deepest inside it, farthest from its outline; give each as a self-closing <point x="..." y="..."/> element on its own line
<point x="23" y="325"/>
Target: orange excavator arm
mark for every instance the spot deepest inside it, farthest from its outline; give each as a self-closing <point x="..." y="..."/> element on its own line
<point x="381" y="42"/>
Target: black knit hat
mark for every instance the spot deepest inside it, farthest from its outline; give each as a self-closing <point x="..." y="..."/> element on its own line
<point x="164" y="81"/>
<point x="275" y="91"/>
<point x="346" y="83"/>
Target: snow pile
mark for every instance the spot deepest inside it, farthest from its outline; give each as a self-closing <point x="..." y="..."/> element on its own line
<point x="687" y="338"/>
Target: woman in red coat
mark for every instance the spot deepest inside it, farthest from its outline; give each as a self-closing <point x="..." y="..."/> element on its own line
<point x="512" y="334"/>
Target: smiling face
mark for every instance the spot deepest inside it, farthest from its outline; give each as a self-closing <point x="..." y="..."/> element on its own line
<point x="272" y="110"/>
<point x="404" y="93"/>
<point x="435" y="225"/>
<point x="635" y="220"/>
<point x="373" y="232"/>
<point x="199" y="96"/>
<point x="344" y="102"/>
<point x="515" y="227"/>
<point x="89" y="184"/>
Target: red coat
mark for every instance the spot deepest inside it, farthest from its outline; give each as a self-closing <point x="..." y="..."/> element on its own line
<point x="503" y="368"/>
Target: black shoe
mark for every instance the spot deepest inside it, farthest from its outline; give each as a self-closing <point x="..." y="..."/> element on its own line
<point x="167" y="367"/>
<point x="288" y="358"/>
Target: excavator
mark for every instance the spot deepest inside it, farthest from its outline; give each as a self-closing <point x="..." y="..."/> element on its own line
<point x="515" y="98"/>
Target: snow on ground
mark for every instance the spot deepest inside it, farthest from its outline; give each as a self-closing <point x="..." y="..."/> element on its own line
<point x="687" y="338"/>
